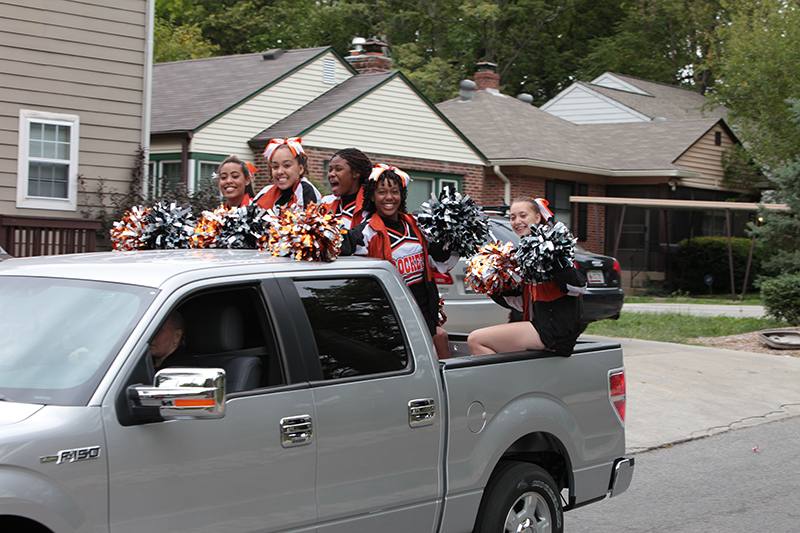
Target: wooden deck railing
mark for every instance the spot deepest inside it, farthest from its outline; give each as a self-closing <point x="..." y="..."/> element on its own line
<point x="23" y="236"/>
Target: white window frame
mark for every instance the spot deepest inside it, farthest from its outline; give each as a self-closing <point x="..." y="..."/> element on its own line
<point x="24" y="200"/>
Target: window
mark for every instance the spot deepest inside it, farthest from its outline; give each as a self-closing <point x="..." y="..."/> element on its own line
<point x="165" y="177"/>
<point x="47" y="167"/>
<point x="355" y="328"/>
<point x="423" y="184"/>
<point x="557" y="194"/>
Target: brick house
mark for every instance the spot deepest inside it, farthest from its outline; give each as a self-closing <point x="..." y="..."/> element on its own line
<point x="207" y="109"/>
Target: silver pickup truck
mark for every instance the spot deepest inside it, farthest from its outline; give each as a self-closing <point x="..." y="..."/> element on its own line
<point x="313" y="402"/>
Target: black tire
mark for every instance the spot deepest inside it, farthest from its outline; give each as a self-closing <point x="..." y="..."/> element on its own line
<point x="520" y="497"/>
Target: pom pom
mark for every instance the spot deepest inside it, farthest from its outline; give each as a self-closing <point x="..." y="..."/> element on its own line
<point x="543" y="250"/>
<point x="167" y="226"/>
<point x="127" y="233"/>
<point x="456" y="221"/>
<point x="494" y="269"/>
<point x="442" y="318"/>
<point x="238" y="227"/>
<point x="310" y="234"/>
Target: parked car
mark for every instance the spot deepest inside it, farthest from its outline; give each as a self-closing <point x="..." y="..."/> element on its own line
<point x="467" y="310"/>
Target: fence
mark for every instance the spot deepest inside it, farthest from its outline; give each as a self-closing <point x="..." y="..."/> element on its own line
<point x="30" y="236"/>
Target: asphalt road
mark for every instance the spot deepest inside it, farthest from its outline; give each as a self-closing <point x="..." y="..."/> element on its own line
<point x="741" y="480"/>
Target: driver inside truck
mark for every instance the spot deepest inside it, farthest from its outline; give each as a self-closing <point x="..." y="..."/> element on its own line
<point x="167" y="347"/>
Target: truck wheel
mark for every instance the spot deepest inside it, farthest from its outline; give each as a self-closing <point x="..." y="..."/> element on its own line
<point x="520" y="498"/>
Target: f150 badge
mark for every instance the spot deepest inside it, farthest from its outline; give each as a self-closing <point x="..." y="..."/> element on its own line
<point x="71" y="456"/>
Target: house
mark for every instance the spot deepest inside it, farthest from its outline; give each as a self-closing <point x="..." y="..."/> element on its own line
<point x="207" y="109"/>
<point x="617" y="137"/>
<point x="73" y="113"/>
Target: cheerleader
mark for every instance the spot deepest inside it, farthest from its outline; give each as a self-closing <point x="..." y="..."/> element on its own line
<point x="347" y="171"/>
<point x="288" y="166"/>
<point x="391" y="233"/>
<point x="234" y="178"/>
<point x="552" y="310"/>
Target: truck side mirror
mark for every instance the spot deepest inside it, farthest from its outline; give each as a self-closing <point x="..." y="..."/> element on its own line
<point x="181" y="393"/>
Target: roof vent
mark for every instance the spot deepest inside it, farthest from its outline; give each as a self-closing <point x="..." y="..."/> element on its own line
<point x="273" y="54"/>
<point x="525" y="97"/>
<point x="467" y="90"/>
<point x="659" y="119"/>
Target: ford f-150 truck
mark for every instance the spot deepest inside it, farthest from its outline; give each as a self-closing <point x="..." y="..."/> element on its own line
<point x="314" y="402"/>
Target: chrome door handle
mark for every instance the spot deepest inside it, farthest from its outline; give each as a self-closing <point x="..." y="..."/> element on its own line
<point x="296" y="431"/>
<point x="421" y="412"/>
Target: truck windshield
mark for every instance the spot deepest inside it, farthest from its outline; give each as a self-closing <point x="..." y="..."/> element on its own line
<point x="58" y="337"/>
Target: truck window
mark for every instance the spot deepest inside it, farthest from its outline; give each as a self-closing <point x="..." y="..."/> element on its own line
<point x="228" y="328"/>
<point x="355" y="327"/>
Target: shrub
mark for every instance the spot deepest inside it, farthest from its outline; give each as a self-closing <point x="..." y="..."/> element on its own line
<point x="781" y="297"/>
<point x="709" y="255"/>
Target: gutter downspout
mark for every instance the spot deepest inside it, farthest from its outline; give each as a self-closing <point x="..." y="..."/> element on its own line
<point x="506" y="186"/>
<point x="147" y="90"/>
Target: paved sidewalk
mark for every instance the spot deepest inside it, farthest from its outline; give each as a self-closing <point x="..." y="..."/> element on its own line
<point x="733" y="310"/>
<point x="677" y="392"/>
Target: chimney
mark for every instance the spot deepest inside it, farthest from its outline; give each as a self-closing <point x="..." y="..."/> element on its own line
<point x="486" y="77"/>
<point x="368" y="56"/>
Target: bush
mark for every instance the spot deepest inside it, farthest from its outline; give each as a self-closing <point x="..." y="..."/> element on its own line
<point x="781" y="297"/>
<point x="709" y="255"/>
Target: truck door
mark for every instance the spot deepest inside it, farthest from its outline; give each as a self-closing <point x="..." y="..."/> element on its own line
<point x="240" y="473"/>
<point x="376" y="469"/>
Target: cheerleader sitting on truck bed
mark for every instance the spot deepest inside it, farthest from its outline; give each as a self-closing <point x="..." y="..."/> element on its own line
<point x="288" y="169"/>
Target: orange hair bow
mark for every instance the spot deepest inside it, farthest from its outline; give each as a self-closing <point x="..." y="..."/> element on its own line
<point x="543" y="209"/>
<point x="252" y="168"/>
<point x="292" y="142"/>
<point x="380" y="168"/>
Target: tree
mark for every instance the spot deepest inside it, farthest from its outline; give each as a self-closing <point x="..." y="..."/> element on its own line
<point x="757" y="72"/>
<point x="670" y="41"/>
<point x="176" y="43"/>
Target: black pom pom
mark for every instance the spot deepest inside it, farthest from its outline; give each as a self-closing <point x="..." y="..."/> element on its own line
<point x="455" y="221"/>
<point x="167" y="226"/>
<point x="543" y="250"/>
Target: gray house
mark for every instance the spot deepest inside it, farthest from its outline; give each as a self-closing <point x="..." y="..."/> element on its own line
<point x="73" y="114"/>
<point x="617" y="137"/>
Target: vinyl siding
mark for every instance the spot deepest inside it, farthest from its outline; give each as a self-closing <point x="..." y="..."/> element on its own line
<point x="705" y="158"/>
<point x="583" y="106"/>
<point x="229" y="134"/>
<point x="75" y="57"/>
<point x="394" y="120"/>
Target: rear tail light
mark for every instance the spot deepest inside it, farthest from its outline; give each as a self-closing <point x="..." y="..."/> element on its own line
<point x="617" y="268"/>
<point x="442" y="279"/>
<point x="616" y="392"/>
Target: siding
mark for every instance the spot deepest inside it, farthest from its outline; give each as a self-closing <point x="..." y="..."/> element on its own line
<point x="705" y="158"/>
<point x="229" y="134"/>
<point x="394" y="120"/>
<point x="77" y="57"/>
<point x="580" y="105"/>
<point x="612" y="82"/>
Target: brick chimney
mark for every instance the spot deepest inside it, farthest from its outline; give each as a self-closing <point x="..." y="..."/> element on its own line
<point x="368" y="56"/>
<point x="486" y="76"/>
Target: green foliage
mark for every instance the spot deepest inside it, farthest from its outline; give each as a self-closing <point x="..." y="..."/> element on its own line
<point x="759" y="51"/>
<point x="781" y="297"/>
<point x="668" y="41"/>
<point x="176" y="43"/>
<point x="709" y="255"/>
<point x="780" y="230"/>
<point x="676" y="327"/>
<point x="740" y="170"/>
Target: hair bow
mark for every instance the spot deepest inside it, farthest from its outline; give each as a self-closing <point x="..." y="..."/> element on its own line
<point x="292" y="142"/>
<point x="543" y="209"/>
<point x="380" y="167"/>
<point x="252" y="168"/>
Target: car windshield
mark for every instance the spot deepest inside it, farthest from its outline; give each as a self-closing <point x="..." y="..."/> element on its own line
<point x="58" y="337"/>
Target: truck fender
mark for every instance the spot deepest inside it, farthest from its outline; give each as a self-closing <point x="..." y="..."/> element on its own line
<point x="525" y="416"/>
<point x="28" y="494"/>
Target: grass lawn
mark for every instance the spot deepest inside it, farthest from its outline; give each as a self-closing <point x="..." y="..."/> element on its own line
<point x="678" y="328"/>
<point x="750" y="299"/>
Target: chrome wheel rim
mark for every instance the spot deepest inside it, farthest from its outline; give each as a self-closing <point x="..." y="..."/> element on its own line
<point x="529" y="514"/>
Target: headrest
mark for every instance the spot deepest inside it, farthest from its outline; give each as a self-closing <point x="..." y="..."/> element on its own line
<point x="214" y="329"/>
